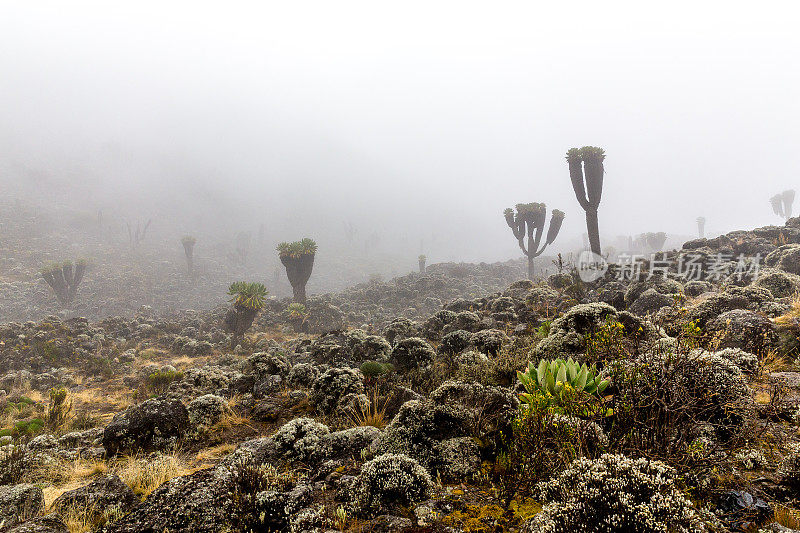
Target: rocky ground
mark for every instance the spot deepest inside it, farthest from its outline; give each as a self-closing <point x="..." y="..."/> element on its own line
<point x="399" y="407"/>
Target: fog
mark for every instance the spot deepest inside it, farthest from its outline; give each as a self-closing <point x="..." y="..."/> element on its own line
<point x="419" y="121"/>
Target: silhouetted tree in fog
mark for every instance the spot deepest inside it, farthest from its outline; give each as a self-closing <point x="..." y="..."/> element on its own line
<point x="529" y="220"/>
<point x="64" y="279"/>
<point x="586" y="173"/>
<point x="298" y="259"/>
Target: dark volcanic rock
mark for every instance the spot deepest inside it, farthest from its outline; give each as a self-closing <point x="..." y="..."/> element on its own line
<point x="51" y="523"/>
<point x="196" y="503"/>
<point x="18" y="502"/>
<point x="153" y="425"/>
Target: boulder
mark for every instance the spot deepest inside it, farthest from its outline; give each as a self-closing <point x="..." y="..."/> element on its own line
<point x="51" y="523"/>
<point x="20" y="502"/>
<point x="154" y="425"/>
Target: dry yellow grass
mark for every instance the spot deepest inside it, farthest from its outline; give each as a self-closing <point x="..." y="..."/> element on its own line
<point x="787" y="517"/>
<point x="372" y="414"/>
<point x="211" y="455"/>
<point x="232" y="417"/>
<point x="82" y="519"/>
<point x="144" y="475"/>
<point x="183" y="362"/>
<point x="791" y="317"/>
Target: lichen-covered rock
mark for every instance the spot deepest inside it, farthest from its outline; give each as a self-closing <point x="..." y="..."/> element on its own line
<point x="780" y="283"/>
<point x="399" y="329"/>
<point x="51" y="523"/>
<point x="710" y="306"/>
<point x="20" y="502"/>
<point x="568" y="333"/>
<point x="612" y="494"/>
<point x="302" y="375"/>
<point x="786" y="258"/>
<point x="697" y="287"/>
<point x="544" y="298"/>
<point x="332" y="385"/>
<point x="104" y="494"/>
<point x="263" y="364"/>
<point x="651" y="301"/>
<point x="301" y="440"/>
<point x="746" y="330"/>
<point x="153" y="425"/>
<point x="195" y="503"/>
<point x="435" y="324"/>
<point x="411" y="353"/>
<point x="466" y="320"/>
<point x="658" y="284"/>
<point x="362" y="347"/>
<point x="789" y="470"/>
<point x="206" y="410"/>
<point x="390" y="480"/>
<point x="323" y="316"/>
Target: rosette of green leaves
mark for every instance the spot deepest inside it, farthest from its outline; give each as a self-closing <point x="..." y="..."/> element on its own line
<point x="248" y="295"/>
<point x="553" y="378"/>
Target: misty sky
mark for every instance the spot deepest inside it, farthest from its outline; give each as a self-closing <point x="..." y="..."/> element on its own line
<point x="412" y="118"/>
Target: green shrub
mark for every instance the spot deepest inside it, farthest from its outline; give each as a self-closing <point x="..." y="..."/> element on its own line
<point x="158" y="382"/>
<point x="59" y="409"/>
<point x="372" y="369"/>
<point x="27" y="428"/>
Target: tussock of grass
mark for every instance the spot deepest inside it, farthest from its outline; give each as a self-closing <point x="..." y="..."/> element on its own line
<point x="83" y="519"/>
<point x="787" y="517"/>
<point x="231" y="417"/>
<point x="144" y="474"/>
<point x="372" y="414"/>
<point x="213" y="454"/>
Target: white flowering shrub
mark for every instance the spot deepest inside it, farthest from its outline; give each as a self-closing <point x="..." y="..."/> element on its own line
<point x="302" y="375"/>
<point x="411" y="353"/>
<point x="309" y="520"/>
<point x="789" y="470"/>
<point x="206" y="410"/>
<point x="746" y="361"/>
<point x="417" y="429"/>
<point x="612" y="494"/>
<point x="751" y="459"/>
<point x="301" y="440"/>
<point x="333" y="385"/>
<point x="390" y="479"/>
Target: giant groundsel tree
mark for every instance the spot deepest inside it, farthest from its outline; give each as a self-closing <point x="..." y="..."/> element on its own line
<point x="586" y="173"/>
<point x="64" y="279"/>
<point x="248" y="300"/>
<point x="298" y="259"/>
<point x="529" y="222"/>
<point x="782" y="204"/>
